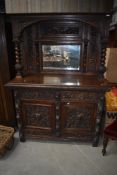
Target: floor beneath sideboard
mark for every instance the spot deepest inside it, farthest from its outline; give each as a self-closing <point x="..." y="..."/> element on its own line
<point x="47" y="158"/>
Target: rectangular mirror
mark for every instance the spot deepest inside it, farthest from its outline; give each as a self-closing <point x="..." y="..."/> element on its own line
<point x="61" y="57"/>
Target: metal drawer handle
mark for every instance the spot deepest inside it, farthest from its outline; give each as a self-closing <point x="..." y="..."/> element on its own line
<point x="37" y="115"/>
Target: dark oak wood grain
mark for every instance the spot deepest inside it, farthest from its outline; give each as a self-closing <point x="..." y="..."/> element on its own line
<point x="56" y="104"/>
<point x="7" y="115"/>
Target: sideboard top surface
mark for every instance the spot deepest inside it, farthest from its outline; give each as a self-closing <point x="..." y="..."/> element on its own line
<point x="58" y="81"/>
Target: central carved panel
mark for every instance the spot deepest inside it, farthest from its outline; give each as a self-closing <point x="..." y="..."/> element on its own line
<point x="37" y="115"/>
<point x="77" y="115"/>
<point x="58" y="28"/>
<point x="78" y="118"/>
<point x="63" y="30"/>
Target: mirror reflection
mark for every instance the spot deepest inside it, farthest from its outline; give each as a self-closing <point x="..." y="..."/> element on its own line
<point x="61" y="57"/>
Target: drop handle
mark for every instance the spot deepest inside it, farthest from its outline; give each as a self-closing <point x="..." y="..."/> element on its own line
<point x="37" y="115"/>
<point x="57" y="97"/>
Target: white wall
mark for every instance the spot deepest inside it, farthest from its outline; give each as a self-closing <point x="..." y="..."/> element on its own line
<point x="111" y="62"/>
<point x="40" y="6"/>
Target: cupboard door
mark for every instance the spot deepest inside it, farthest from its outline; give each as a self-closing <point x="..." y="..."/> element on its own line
<point x="78" y="119"/>
<point x="38" y="117"/>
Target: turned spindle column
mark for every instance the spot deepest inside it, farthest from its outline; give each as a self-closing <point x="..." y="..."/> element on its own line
<point x="18" y="65"/>
<point x="102" y="68"/>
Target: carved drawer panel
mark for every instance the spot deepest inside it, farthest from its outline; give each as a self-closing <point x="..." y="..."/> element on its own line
<point x="77" y="118"/>
<point x="79" y="95"/>
<point x="34" y="93"/>
<point x="38" y="116"/>
<point x="50" y="29"/>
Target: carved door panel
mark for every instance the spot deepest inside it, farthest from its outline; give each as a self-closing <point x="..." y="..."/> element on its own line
<point x="77" y="118"/>
<point x="38" y="117"/>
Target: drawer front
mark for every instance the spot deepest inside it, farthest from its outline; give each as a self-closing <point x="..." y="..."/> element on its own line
<point x="38" y="115"/>
<point x="79" y="95"/>
<point x="78" y="118"/>
<point x="52" y="94"/>
<point x="34" y="93"/>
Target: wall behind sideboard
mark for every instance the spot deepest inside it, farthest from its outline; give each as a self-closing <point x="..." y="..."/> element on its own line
<point x="41" y="6"/>
<point x="111" y="73"/>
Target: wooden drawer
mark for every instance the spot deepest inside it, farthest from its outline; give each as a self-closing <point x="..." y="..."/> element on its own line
<point x="79" y="95"/>
<point x="34" y="93"/>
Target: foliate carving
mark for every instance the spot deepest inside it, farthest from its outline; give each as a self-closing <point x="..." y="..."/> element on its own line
<point x="89" y="96"/>
<point x="93" y="50"/>
<point x="93" y="57"/>
<point x="100" y="113"/>
<point x="85" y="56"/>
<point x="18" y="113"/>
<point x="30" y="50"/>
<point x="78" y="118"/>
<point x="17" y="103"/>
<point x="34" y="93"/>
<point x="63" y="30"/>
<point x="37" y="115"/>
<point x="58" y="101"/>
